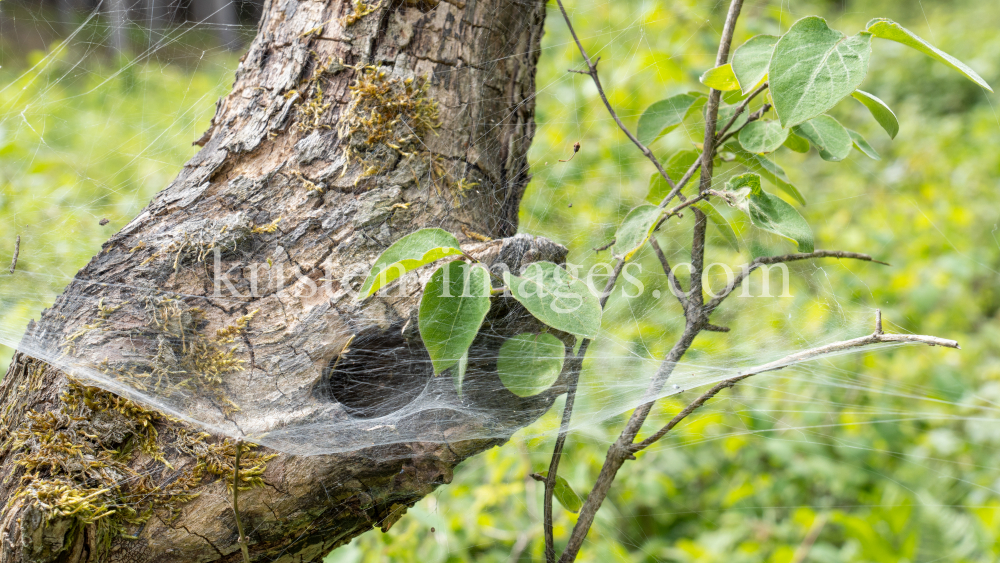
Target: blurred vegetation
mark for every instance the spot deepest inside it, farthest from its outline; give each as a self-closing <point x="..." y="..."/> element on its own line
<point x="883" y="456"/>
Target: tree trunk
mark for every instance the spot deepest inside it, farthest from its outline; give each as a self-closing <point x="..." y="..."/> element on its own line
<point x="295" y="163"/>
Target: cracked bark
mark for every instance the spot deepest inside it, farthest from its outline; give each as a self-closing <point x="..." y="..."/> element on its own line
<point x="479" y="58"/>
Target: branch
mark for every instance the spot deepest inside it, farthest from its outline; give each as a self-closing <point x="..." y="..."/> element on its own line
<point x="592" y="72"/>
<point x="753" y="117"/>
<point x="747" y="269"/>
<point x="675" y="286"/>
<point x="714" y="96"/>
<point x="573" y="367"/>
<point x="740" y="109"/>
<point x="618" y="453"/>
<point x="875" y="338"/>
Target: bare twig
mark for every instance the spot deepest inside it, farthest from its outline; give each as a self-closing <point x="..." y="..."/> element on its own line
<point x="740" y="109"/>
<point x="675" y="286"/>
<point x="606" y="246"/>
<point x="17" y="251"/>
<point x="753" y="117"/>
<point x="236" y="507"/>
<point x="793" y="359"/>
<point x="592" y="72"/>
<point x="747" y="269"/>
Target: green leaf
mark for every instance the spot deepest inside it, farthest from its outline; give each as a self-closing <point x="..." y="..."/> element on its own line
<point x="530" y="363"/>
<point x="763" y="136"/>
<point x="733" y="96"/>
<point x="814" y="67"/>
<point x="393" y="271"/>
<point x="454" y="304"/>
<point x="724" y="227"/>
<point x="664" y="116"/>
<point x="565" y="494"/>
<point x="721" y="78"/>
<point x="557" y="299"/>
<point x="862" y="145"/>
<point x="676" y="167"/>
<point x="635" y="229"/>
<point x="751" y="59"/>
<point x="829" y="137"/>
<point x="767" y="168"/>
<point x="726" y="113"/>
<point x="771" y="213"/>
<point x="796" y="143"/>
<point x="888" y="29"/>
<point x="413" y="246"/>
<point x="879" y="111"/>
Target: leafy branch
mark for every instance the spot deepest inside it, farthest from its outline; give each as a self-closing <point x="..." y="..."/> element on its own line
<point x="805" y="73"/>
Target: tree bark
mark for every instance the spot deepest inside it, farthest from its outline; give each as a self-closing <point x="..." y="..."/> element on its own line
<point x="287" y="148"/>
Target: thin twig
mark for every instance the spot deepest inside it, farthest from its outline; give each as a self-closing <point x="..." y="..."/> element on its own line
<point x="592" y="72"/>
<point x="793" y="359"/>
<point x="740" y="109"/>
<point x="747" y="269"/>
<point x="675" y="286"/>
<point x="753" y="117"/>
<point x="236" y="507"/>
<point x="17" y="251"/>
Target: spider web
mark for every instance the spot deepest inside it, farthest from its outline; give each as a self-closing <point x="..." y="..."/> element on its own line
<point x="58" y="189"/>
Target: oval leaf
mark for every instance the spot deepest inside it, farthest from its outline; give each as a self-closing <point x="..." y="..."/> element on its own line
<point x="556" y="298"/>
<point x="763" y="136"/>
<point x="771" y="213"/>
<point x="814" y="67"/>
<point x="725" y="229"/>
<point x="751" y="59"/>
<point x="721" y="78"/>
<point x="676" y="167"/>
<point x="411" y="247"/>
<point x="635" y="230"/>
<point x="830" y="137"/>
<point x="888" y="29"/>
<point x="862" y="145"/>
<point x="530" y="363"/>
<point x="796" y="143"/>
<point x="664" y="116"/>
<point x="454" y="304"/>
<point x="881" y="112"/>
<point x="768" y="169"/>
<point x="565" y="494"/>
<point x="391" y="272"/>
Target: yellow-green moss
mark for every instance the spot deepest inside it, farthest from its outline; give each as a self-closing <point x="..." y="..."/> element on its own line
<point x="386" y="113"/>
<point x="79" y="461"/>
<point x="361" y="8"/>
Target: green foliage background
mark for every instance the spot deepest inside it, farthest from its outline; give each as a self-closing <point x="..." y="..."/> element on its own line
<point x="883" y="456"/>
